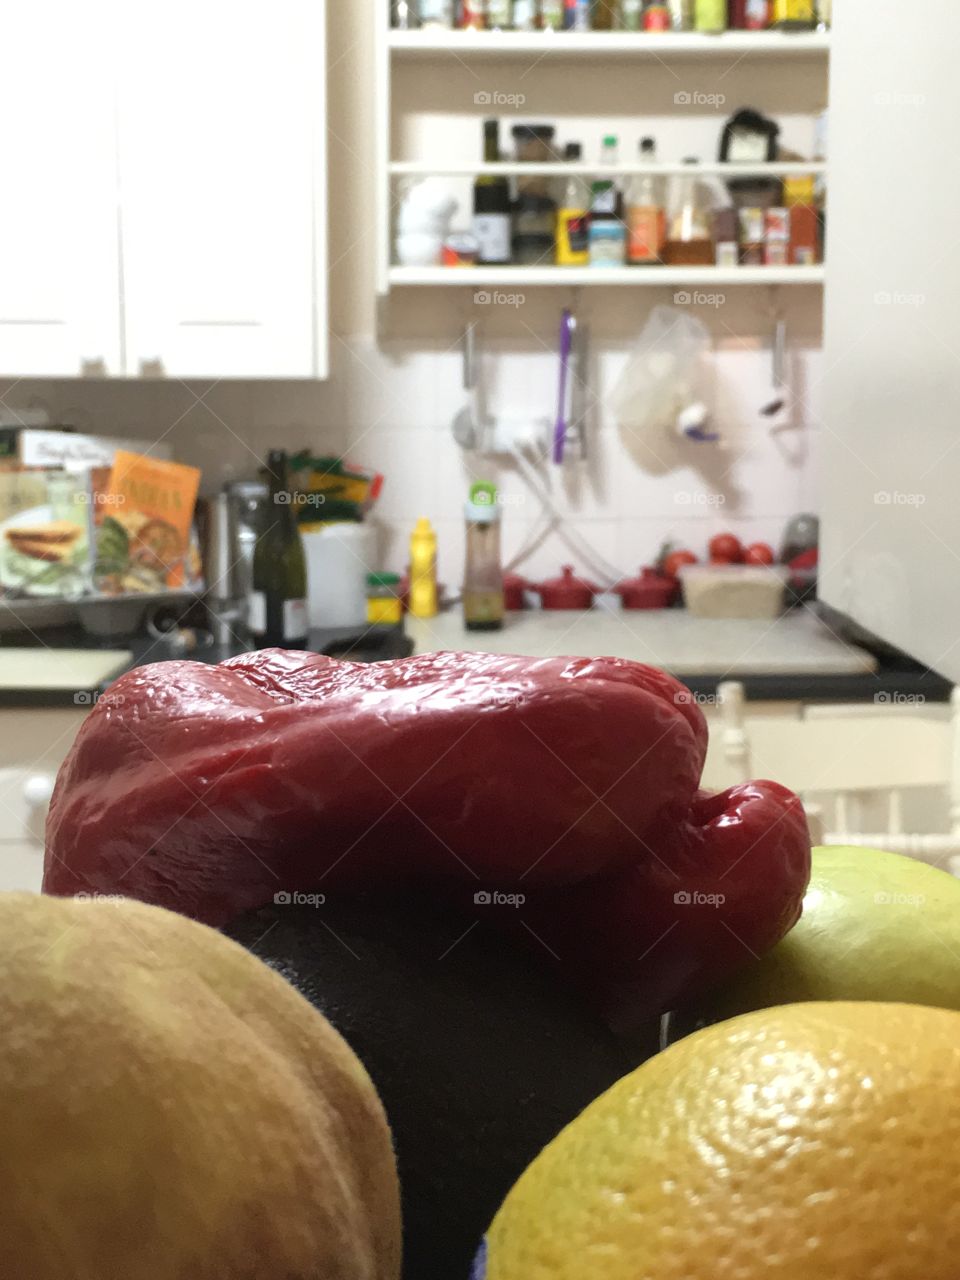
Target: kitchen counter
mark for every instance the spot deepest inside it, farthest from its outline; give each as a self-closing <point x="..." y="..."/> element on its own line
<point x="795" y="656"/>
<point x="797" y="642"/>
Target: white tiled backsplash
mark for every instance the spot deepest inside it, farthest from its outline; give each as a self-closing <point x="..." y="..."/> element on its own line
<point x="391" y="407"/>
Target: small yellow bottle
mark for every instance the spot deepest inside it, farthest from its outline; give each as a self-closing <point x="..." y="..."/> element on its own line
<point x="423" y="570"/>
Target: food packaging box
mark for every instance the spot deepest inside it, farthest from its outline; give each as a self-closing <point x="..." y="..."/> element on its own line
<point x="752" y="225"/>
<point x="803" y="236"/>
<point x="777" y="225"/>
<point x="145" y="519"/>
<point x="45" y="532"/>
<point x="799" y="190"/>
<point x="733" y="590"/>
<point x="56" y="447"/>
<point x="776" y="254"/>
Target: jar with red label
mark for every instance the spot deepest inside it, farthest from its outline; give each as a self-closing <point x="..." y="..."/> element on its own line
<point x="749" y="15"/>
<point x="656" y="16"/>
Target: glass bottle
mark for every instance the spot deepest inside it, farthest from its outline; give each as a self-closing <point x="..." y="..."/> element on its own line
<point x="483" y="572"/>
<point x="604" y="15"/>
<point x="607" y="232"/>
<point x="573" y="240"/>
<point x="689" y="241"/>
<point x="278" y="603"/>
<point x="710" y="15"/>
<point x="491" y="204"/>
<point x="645" y="212"/>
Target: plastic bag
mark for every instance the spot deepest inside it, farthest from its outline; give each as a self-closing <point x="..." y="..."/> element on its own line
<point x="660" y="387"/>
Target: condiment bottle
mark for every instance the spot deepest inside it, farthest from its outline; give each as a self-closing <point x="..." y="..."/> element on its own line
<point x="689" y="242"/>
<point x="573" y="240"/>
<point x="605" y="15"/>
<point x="384" y="606"/>
<point x="491" y="204"/>
<point x="710" y="15"/>
<point x="471" y="15"/>
<point x="645" y="212"/>
<point x="499" y="15"/>
<point x="656" y="16"/>
<point x="483" y="573"/>
<point x="576" y="15"/>
<point x="794" y="15"/>
<point x="423" y="570"/>
<point x="278" y="602"/>
<point x="607" y="232"/>
<point x="749" y="15"/>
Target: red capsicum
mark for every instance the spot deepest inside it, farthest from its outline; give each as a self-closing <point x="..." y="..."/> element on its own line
<point x="569" y="783"/>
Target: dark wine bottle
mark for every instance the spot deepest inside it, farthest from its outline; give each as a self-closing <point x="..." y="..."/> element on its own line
<point x="278" y="602"/>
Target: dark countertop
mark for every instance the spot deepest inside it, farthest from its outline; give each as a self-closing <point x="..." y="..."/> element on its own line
<point x="896" y="679"/>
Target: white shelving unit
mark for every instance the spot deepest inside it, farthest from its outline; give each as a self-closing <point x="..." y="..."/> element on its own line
<point x="629" y="277"/>
<point x="606" y="44"/>
<point x="513" y="49"/>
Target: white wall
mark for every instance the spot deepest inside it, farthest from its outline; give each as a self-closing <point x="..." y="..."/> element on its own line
<point x="395" y="383"/>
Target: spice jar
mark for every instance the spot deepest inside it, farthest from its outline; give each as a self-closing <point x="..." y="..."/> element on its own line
<point x="384" y="606"/>
<point x="534" y="230"/>
<point x="533" y="144"/>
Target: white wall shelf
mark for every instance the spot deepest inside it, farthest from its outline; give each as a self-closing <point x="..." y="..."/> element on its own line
<point x="517" y="277"/>
<point x="425" y="168"/>
<point x="567" y="44"/>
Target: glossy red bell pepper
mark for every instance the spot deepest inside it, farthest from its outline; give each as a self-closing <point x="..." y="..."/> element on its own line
<point x="213" y="789"/>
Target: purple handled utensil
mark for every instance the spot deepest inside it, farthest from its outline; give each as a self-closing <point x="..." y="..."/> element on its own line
<point x="560" y="427"/>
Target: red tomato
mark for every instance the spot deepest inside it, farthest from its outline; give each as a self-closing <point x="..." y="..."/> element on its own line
<point x="725" y="549"/>
<point x="675" y="560"/>
<point x="758" y="553"/>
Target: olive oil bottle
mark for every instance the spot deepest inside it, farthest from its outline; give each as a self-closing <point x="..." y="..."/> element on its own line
<point x="278" y="603"/>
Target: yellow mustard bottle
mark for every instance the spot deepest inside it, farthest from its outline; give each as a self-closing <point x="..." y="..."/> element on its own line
<point x="423" y="570"/>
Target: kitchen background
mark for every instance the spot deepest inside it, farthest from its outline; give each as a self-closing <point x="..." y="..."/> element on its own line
<point x="395" y="381"/>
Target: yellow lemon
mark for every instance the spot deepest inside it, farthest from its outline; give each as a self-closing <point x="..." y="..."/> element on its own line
<point x="171" y="1109"/>
<point x="807" y="1142"/>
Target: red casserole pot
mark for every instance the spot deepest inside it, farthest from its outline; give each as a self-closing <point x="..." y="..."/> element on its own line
<point x="567" y="592"/>
<point x="514" y="587"/>
<point x="651" y="590"/>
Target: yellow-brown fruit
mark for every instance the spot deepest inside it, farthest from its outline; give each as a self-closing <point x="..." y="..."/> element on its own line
<point x="171" y="1109"/>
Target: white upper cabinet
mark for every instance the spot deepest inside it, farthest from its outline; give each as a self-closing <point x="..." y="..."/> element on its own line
<point x="890" y="552"/>
<point x="164" y="189"/>
<point x="59" y="260"/>
<point x="222" y="163"/>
